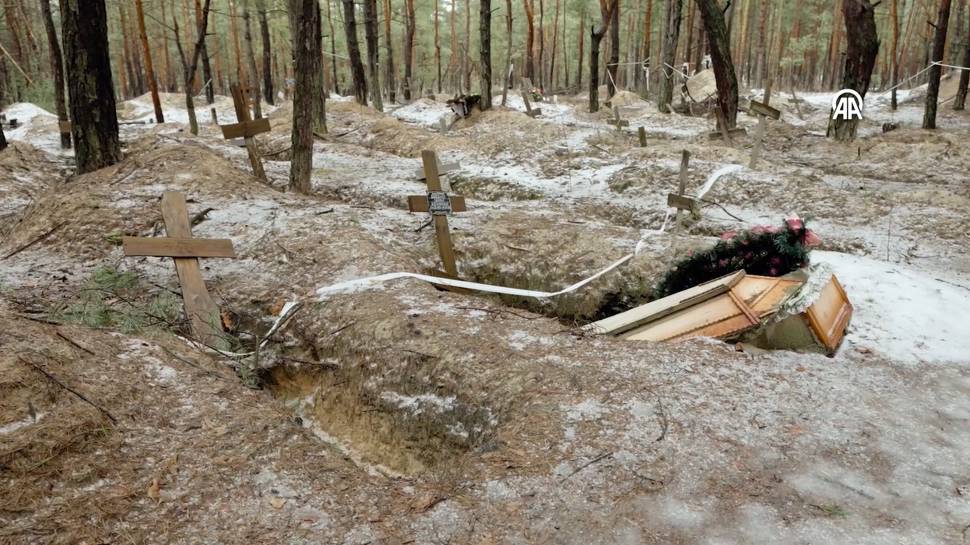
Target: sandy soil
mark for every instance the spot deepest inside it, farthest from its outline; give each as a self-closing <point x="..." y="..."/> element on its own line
<point x="402" y="414"/>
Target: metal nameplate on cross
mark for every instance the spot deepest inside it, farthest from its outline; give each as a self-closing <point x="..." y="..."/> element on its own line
<point x="201" y="310"/>
<point x="440" y="205"/>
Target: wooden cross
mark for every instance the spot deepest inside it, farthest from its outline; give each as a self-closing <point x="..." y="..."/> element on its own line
<point x="246" y="128"/>
<point x="680" y="200"/>
<point x="722" y="130"/>
<point x="443" y="169"/>
<point x="620" y="123"/>
<point x="440" y="205"/>
<point x="763" y="111"/>
<point x="201" y="310"/>
<point x="526" y="90"/>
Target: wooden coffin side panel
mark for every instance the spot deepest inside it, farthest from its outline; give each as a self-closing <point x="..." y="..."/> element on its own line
<point x="830" y="315"/>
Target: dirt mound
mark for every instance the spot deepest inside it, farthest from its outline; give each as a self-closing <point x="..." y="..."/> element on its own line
<point x="26" y="173"/>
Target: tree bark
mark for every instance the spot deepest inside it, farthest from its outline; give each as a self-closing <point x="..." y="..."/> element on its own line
<point x="319" y="90"/>
<point x="389" y="76"/>
<point x="581" y="39"/>
<point x="253" y="82"/>
<point x="939" y="45"/>
<point x="189" y="65"/>
<point x="530" y="41"/>
<point x="614" y="64"/>
<point x="303" y="23"/>
<point x="333" y="47"/>
<point x="555" y="39"/>
<point x="57" y="68"/>
<point x="353" y="51"/>
<point x="373" y="53"/>
<point x="894" y="20"/>
<point x="94" y="119"/>
<point x="485" y="52"/>
<point x="149" y="66"/>
<point x="209" y="82"/>
<point x="506" y="75"/>
<point x="668" y="55"/>
<point x="596" y="37"/>
<point x="860" y="58"/>
<point x="409" y="49"/>
<point x="269" y="94"/>
<point x="719" y="40"/>
<point x="959" y="103"/>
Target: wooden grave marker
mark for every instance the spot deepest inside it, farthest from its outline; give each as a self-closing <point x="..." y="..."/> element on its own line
<point x="642" y="136"/>
<point x="201" y="310"/>
<point x="64" y="128"/>
<point x="722" y="130"/>
<point x="763" y="112"/>
<point x="680" y="200"/>
<point x="526" y="90"/>
<point x="440" y="205"/>
<point x="616" y="120"/>
<point x="246" y="128"/>
<point x="444" y="169"/>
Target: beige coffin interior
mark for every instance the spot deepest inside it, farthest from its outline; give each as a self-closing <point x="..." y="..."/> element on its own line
<point x="739" y="306"/>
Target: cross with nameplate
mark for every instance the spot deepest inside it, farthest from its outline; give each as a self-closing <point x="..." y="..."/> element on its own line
<point x="440" y="205"/>
<point x="201" y="310"/>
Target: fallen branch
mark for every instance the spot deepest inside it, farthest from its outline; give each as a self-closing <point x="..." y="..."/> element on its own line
<point x="65" y="337"/>
<point x="662" y="414"/>
<point x="80" y="396"/>
<point x="721" y="207"/>
<point x="201" y="216"/>
<point x="36" y="240"/>
<point x="599" y="458"/>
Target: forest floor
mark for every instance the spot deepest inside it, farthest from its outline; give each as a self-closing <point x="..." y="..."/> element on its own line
<point x="401" y="414"/>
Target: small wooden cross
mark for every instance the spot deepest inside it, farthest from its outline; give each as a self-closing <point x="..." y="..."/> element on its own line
<point x="722" y="130"/>
<point x="440" y="205"/>
<point x="526" y="90"/>
<point x="620" y="123"/>
<point x="443" y="169"/>
<point x="247" y="129"/>
<point x="763" y="111"/>
<point x="201" y="310"/>
<point x="680" y="200"/>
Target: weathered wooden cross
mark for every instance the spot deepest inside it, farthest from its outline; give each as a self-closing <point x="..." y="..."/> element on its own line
<point x="201" y="310"/>
<point x="620" y="123"/>
<point x="763" y="111"/>
<point x="680" y="200"/>
<point x="246" y="128"/>
<point x="526" y="90"/>
<point x="65" y="130"/>
<point x="440" y="205"/>
<point x="722" y="130"/>
<point x="443" y="169"/>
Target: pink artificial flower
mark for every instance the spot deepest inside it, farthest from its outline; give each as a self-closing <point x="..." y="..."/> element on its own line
<point x="723" y="262"/>
<point x="811" y="239"/>
<point x="772" y="229"/>
<point x="728" y="235"/>
<point x="776" y="260"/>
<point x="758" y="229"/>
<point x="795" y="223"/>
<point x="772" y="272"/>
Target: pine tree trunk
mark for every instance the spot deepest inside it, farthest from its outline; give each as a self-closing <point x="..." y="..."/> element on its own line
<point x="542" y="46"/>
<point x="319" y="89"/>
<point x="409" y="50"/>
<point x="169" y="79"/>
<point x="92" y="100"/>
<point x="149" y="66"/>
<point x="668" y="55"/>
<point x="506" y="76"/>
<point x="333" y="48"/>
<point x="3" y="140"/>
<point x="719" y="40"/>
<point x="894" y="21"/>
<point x="939" y="44"/>
<point x="353" y="51"/>
<point x="647" y="38"/>
<point x="959" y="103"/>
<point x="467" y="49"/>
<point x="304" y="25"/>
<point x="581" y="39"/>
<point x="614" y="64"/>
<point x="389" y="76"/>
<point x="530" y="41"/>
<point x="57" y="68"/>
<point x="269" y="94"/>
<point x="437" y="44"/>
<point x="860" y="59"/>
<point x="210" y="84"/>
<point x="373" y="53"/>
<point x="596" y="37"/>
<point x="253" y="82"/>
<point x="555" y="39"/>
<point x="485" y="52"/>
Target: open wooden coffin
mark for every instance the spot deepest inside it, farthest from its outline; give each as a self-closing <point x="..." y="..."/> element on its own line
<point x="741" y="307"/>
